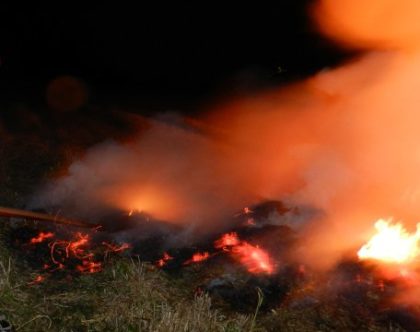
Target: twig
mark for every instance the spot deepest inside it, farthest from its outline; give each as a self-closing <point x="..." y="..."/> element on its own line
<point x="24" y="214"/>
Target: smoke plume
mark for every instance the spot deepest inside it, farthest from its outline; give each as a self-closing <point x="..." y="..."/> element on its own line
<point x="343" y="141"/>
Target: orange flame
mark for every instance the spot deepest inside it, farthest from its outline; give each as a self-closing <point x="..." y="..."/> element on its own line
<point x="41" y="237"/>
<point x="166" y="257"/>
<point x="116" y="248"/>
<point x="89" y="267"/>
<point x="198" y="257"/>
<point x="227" y="240"/>
<point x="37" y="280"/>
<point x="75" y="246"/>
<point x="392" y="243"/>
<point x="255" y="259"/>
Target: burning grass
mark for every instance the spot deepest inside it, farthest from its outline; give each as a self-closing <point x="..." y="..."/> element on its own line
<point x="127" y="296"/>
<point x="132" y="296"/>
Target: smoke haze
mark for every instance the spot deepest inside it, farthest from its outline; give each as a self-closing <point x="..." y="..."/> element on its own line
<point x="343" y="141"/>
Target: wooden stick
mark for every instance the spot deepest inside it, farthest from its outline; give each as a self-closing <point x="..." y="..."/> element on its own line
<point x="16" y="213"/>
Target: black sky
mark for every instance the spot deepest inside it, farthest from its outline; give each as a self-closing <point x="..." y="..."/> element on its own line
<point x="161" y="52"/>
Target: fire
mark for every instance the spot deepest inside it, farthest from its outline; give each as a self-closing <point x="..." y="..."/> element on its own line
<point x="247" y="210"/>
<point x="37" y="280"/>
<point x="227" y="240"/>
<point x="115" y="248"/>
<point x="78" y="253"/>
<point x="162" y="262"/>
<point x="198" y="257"/>
<point x="41" y="237"/>
<point x="75" y="246"/>
<point x="255" y="259"/>
<point x="89" y="267"/>
<point x="392" y="243"/>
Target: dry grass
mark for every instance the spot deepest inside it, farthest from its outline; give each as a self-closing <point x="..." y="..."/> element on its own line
<point x="132" y="296"/>
<point x="128" y="296"/>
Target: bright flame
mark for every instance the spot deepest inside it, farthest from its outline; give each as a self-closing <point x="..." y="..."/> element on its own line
<point x="37" y="280"/>
<point x="165" y="258"/>
<point x="391" y="243"/>
<point x="41" y="237"/>
<point x="255" y="259"/>
<point x="198" y="257"/>
<point x="227" y="240"/>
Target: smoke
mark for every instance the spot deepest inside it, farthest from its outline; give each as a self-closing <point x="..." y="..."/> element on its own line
<point x="374" y="24"/>
<point x="169" y="171"/>
<point x="343" y="141"/>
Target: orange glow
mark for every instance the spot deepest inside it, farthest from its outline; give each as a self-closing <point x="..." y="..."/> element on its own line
<point x="78" y="253"/>
<point x="198" y="257"/>
<point x="373" y="23"/>
<point x="162" y="262"/>
<point x="37" y="280"/>
<point x="75" y="246"/>
<point x="247" y="210"/>
<point x="392" y="243"/>
<point x="89" y="267"/>
<point x="41" y="237"/>
<point x="227" y="240"/>
<point x="116" y="248"/>
<point x="342" y="142"/>
<point x="255" y="259"/>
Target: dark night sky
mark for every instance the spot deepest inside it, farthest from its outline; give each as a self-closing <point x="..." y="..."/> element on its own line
<point x="161" y="53"/>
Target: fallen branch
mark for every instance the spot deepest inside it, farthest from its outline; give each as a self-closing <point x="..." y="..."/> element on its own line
<point x="24" y="214"/>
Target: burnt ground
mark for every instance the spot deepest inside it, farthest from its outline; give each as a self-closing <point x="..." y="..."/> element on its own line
<point x="131" y="293"/>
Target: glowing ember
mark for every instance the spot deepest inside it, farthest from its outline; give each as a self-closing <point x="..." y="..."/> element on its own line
<point x="255" y="259"/>
<point x="247" y="210"/>
<point x="115" y="248"/>
<point x="89" y="267"/>
<point x="198" y="257"/>
<point x="391" y="243"/>
<point x="79" y="253"/>
<point x="227" y="240"/>
<point x="37" y="280"/>
<point x="162" y="262"/>
<point x="41" y="237"/>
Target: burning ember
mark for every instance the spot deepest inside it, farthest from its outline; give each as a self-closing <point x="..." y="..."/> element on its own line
<point x="79" y="254"/>
<point x="392" y="243"/>
<point x="227" y="240"/>
<point x="162" y="262"/>
<point x="42" y="237"/>
<point x="37" y="280"/>
<point x="255" y="259"/>
<point x="115" y="248"/>
<point x="198" y="257"/>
